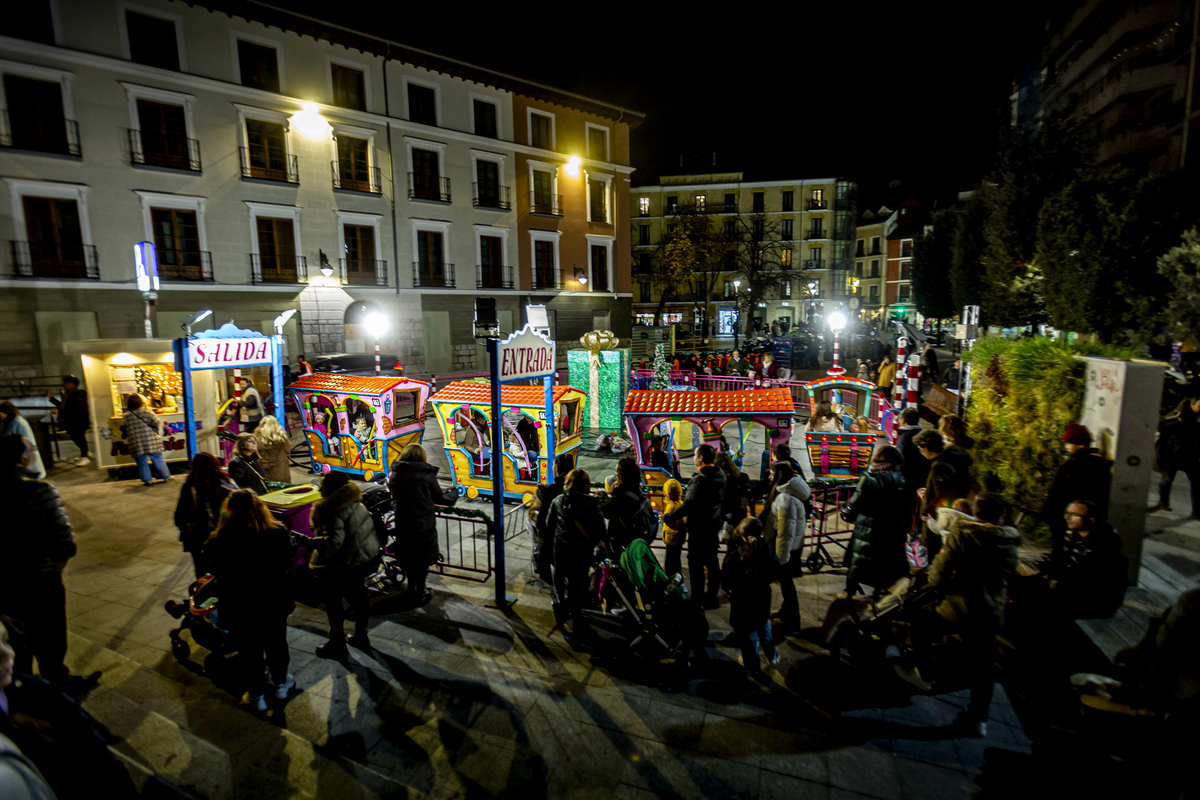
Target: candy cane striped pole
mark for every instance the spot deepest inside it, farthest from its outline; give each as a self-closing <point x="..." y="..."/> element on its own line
<point x="914" y="385"/>
<point x="901" y="347"/>
<point x="836" y="370"/>
<point x="237" y="384"/>
<point x="377" y="371"/>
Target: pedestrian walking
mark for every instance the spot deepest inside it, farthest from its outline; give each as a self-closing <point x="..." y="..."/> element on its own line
<point x="953" y="376"/>
<point x="416" y="492"/>
<point x="701" y="507"/>
<point x="251" y="555"/>
<point x="875" y="556"/>
<point x="1177" y="450"/>
<point x="887" y="376"/>
<point x="929" y="364"/>
<point x="783" y="519"/>
<point x="245" y="467"/>
<point x="578" y="526"/>
<point x="143" y="434"/>
<point x="11" y="422"/>
<point x="73" y="417"/>
<point x="198" y="510"/>
<point x="274" y="450"/>
<point x="347" y="552"/>
<point x="250" y="407"/>
<point x="746" y="574"/>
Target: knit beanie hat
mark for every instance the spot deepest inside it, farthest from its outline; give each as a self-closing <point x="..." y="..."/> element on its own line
<point x="1077" y="434"/>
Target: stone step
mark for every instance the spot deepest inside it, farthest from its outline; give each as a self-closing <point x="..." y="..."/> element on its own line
<point x="202" y="741"/>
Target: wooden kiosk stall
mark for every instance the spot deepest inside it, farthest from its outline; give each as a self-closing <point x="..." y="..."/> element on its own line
<point x="464" y="413"/>
<point x="359" y="424"/>
<point x="113" y="369"/>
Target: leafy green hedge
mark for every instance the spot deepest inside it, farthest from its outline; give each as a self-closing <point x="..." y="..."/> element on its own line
<point x="1024" y="392"/>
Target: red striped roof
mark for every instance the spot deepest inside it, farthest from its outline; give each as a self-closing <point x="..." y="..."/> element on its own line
<point x="471" y="392"/>
<point x="330" y="382"/>
<point x="756" y="401"/>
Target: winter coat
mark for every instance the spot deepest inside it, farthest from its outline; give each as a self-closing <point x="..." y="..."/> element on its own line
<point x="250" y="406"/>
<point x="972" y="572"/>
<point x="735" y="501"/>
<point x="952" y="377"/>
<point x="622" y="511"/>
<point x="36" y="539"/>
<point x="887" y="375"/>
<point x="931" y="364"/>
<point x="674" y="535"/>
<point x="1085" y="475"/>
<point x="578" y="526"/>
<point x="196" y="516"/>
<point x="1088" y="574"/>
<point x="344" y="531"/>
<point x="72" y="409"/>
<point x="748" y="583"/>
<point x="416" y="491"/>
<point x="703" y="502"/>
<point x="252" y="572"/>
<point x="143" y="432"/>
<point x="247" y="473"/>
<point x="276" y="461"/>
<point x="737" y="367"/>
<point x="962" y="462"/>
<point x="1178" y="446"/>
<point x="825" y="425"/>
<point x="784" y="524"/>
<point x="542" y="533"/>
<point x="877" y="508"/>
<point x="916" y="466"/>
<point x="20" y="426"/>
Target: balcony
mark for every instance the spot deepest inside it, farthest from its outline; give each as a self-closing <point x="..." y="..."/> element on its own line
<point x="875" y="251"/>
<point x="55" y="260"/>
<point x="279" y="269"/>
<point x="357" y="180"/>
<point x="185" y="265"/>
<point x="722" y="208"/>
<point x="32" y="137"/>
<point x="817" y="236"/>
<point x="363" y="272"/>
<point x="498" y="197"/>
<point x="434" y="275"/>
<point x="282" y="169"/>
<point x="155" y="149"/>
<point x="546" y="278"/>
<point x="493" y="277"/>
<point x="550" y="205"/>
<point x="598" y="211"/>
<point x="815" y="263"/>
<point x="818" y="205"/>
<point x="435" y="190"/>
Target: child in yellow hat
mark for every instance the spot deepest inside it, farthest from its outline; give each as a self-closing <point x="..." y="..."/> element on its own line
<point x="674" y="536"/>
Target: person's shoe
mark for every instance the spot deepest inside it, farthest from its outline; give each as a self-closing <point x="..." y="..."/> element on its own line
<point x="912" y="676"/>
<point x="282" y="689"/>
<point x="359" y="641"/>
<point x="75" y="685"/>
<point x="82" y="461"/>
<point x="334" y="649"/>
<point x="147" y="483"/>
<point x="257" y="703"/>
<point x="775" y="658"/>
<point x="426" y="598"/>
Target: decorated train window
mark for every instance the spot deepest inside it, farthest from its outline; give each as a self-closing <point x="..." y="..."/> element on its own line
<point x="323" y="419"/>
<point x="360" y="419"/>
<point x="568" y="412"/>
<point x="406" y="403"/>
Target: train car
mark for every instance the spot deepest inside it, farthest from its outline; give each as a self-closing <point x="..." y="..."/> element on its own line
<point x="842" y="454"/>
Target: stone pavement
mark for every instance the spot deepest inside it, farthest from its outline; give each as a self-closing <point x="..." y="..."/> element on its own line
<point x="459" y="700"/>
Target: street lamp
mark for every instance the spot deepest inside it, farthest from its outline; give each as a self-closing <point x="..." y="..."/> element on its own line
<point x="737" y="319"/>
<point x="145" y="258"/>
<point x="376" y="325"/>
<point x="837" y="322"/>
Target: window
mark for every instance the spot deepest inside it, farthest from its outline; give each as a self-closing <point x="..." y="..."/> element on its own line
<point x="266" y="151"/>
<point x="163" y="135"/>
<point x="259" y="66"/>
<point x="644" y="206"/>
<point x="698" y="290"/>
<point x="815" y="230"/>
<point x="544" y="274"/>
<point x="36" y="118"/>
<point x="354" y="168"/>
<point x="730" y="228"/>
<point x="543" y="193"/>
<point x="906" y="248"/>
<point x="644" y="293"/>
<point x="759" y="229"/>
<point x="730" y="202"/>
<point x="177" y="242"/>
<point x="348" y="87"/>
<point x="431" y="265"/>
<point x="422" y="104"/>
<point x="152" y="41"/>
<point x="597" y="201"/>
<point x="485" y="119"/>
<point x="861" y="249"/>
<point x="54" y="239"/>
<point x="785" y="258"/>
<point x="818" y="198"/>
<point x="672" y="205"/>
<point x="597" y="143"/>
<point x="541" y="131"/>
<point x="814" y="258"/>
<point x="905" y="270"/>
<point x="730" y="289"/>
<point x="875" y="251"/>
<point x="700" y="202"/>
<point x="671" y="229"/>
<point x="426" y="179"/>
<point x="858" y="269"/>
<point x="757" y="256"/>
<point x="358" y="249"/>
<point x="788" y="201"/>
<point x="875" y="268"/>
<point x="643" y="264"/>
<point x="643" y="234"/>
<point x="873" y="294"/>
<point x="814" y="287"/>
<point x="599" y="282"/>
<point x="786" y="232"/>
<point x="730" y="260"/>
<point x="276" y="250"/>
<point x="759" y="201"/>
<point x="491" y="264"/>
<point x="902" y="294"/>
<point x="31" y="20"/>
<point x="785" y="290"/>
<point x="487" y="183"/>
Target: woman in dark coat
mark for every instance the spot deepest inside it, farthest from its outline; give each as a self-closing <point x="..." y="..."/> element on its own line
<point x="623" y="505"/>
<point x="578" y="526"/>
<point x="245" y="468"/>
<point x="878" y="510"/>
<point x="347" y="553"/>
<point x="415" y="491"/>
<point x="199" y="508"/>
<point x="251" y="555"/>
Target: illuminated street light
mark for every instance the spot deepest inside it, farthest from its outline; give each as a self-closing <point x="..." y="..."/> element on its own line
<point x="837" y="323"/>
<point x="376" y="325"/>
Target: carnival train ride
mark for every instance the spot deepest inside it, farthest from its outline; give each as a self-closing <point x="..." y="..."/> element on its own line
<point x="841" y="453"/>
<point x="359" y="424"/>
<point x="464" y="413"/>
<point x="717" y="414"/>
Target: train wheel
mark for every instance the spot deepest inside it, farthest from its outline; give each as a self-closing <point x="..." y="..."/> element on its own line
<point x="180" y="649"/>
<point x="815" y="561"/>
<point x="316" y="468"/>
<point x="472" y="492"/>
<point x="369" y="476"/>
<point x="527" y="498"/>
<point x="462" y="491"/>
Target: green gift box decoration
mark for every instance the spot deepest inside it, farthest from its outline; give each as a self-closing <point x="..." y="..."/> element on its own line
<point x="604" y="377"/>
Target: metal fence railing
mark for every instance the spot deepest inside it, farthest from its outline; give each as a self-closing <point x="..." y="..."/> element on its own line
<point x="465" y="544"/>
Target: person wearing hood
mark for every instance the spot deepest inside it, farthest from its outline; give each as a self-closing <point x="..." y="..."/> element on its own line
<point x="969" y="579"/>
<point x="578" y="526"/>
<point x="674" y="535"/>
<point x="875" y="556"/>
<point x="543" y="535"/>
<point x="1085" y="475"/>
<point x="415" y="491"/>
<point x="198" y="511"/>
<point x="783" y="528"/>
<point x="628" y="510"/>
<point x="348" y="548"/>
<point x="702" y="505"/>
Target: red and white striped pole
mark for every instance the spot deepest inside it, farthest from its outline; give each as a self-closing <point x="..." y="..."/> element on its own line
<point x="897" y="400"/>
<point x="914" y="385"/>
<point x="377" y="370"/>
<point x="433" y="384"/>
<point x="237" y="385"/>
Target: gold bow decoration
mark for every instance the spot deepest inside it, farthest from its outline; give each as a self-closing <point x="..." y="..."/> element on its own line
<point x="596" y="341"/>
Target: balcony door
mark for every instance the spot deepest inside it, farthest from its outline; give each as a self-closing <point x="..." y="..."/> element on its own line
<point x="177" y="241"/>
<point x="491" y="266"/>
<point x="360" y="254"/>
<point x="164" y="134"/>
<point x="35" y="114"/>
<point x="543" y="197"/>
<point x="426" y="175"/>
<point x="599" y="268"/>
<point x="277" y="250"/>
<point x="430" y="266"/>
<point x="353" y="169"/>
<point x="55" y="238"/>
<point x="266" y="148"/>
<point x="487" y="176"/>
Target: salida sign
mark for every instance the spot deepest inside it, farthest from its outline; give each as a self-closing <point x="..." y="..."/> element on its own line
<point x="524" y="355"/>
<point x="228" y="353"/>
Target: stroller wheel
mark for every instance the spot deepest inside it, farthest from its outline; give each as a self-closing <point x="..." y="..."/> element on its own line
<point x="815" y="561"/>
<point x="179" y="648"/>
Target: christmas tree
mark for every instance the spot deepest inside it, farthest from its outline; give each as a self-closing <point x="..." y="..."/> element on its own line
<point x="662" y="372"/>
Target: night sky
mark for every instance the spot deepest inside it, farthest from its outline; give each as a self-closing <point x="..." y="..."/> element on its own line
<point x="904" y="93"/>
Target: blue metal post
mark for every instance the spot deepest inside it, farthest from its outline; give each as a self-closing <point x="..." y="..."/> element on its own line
<point x="501" y="599"/>
<point x="277" y="378"/>
<point x="548" y="382"/>
<point x="189" y="408"/>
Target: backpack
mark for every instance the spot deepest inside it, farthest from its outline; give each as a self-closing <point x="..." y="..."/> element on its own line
<point x="644" y="524"/>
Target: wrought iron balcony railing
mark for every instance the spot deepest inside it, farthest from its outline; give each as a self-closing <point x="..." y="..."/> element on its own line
<point x="55" y="260"/>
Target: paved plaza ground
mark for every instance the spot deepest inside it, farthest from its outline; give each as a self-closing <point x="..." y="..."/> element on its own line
<point x="460" y="700"/>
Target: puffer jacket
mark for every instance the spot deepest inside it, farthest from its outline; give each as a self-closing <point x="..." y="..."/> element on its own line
<point x="577" y="524"/>
<point x="344" y="530"/>
<point x="702" y="503"/>
<point x="875" y="556"/>
<point x="674" y="534"/>
<point x="972" y="571"/>
<point x="415" y="491"/>
<point x="784" y="524"/>
<point x="36" y="538"/>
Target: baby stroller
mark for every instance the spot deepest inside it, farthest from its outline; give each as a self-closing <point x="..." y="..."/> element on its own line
<point x="200" y="615"/>
<point x="378" y="500"/>
<point x="865" y="626"/>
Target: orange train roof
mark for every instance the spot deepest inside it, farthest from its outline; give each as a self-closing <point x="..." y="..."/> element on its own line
<point x="470" y="392"/>
<point x="329" y="382"/>
<point x="756" y="401"/>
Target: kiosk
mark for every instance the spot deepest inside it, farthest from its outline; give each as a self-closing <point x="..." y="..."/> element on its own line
<point x="359" y="424"/>
<point x="113" y="369"/>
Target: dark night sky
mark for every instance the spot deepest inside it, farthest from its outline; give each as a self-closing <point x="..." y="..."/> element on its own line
<point x="872" y="93"/>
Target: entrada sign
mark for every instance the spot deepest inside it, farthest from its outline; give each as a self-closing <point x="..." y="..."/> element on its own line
<point x="524" y="355"/>
<point x="228" y="353"/>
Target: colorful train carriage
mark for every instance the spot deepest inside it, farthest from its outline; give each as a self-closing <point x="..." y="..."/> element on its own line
<point x="359" y="424"/>
<point x="841" y="454"/>
<point x="464" y="412"/>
